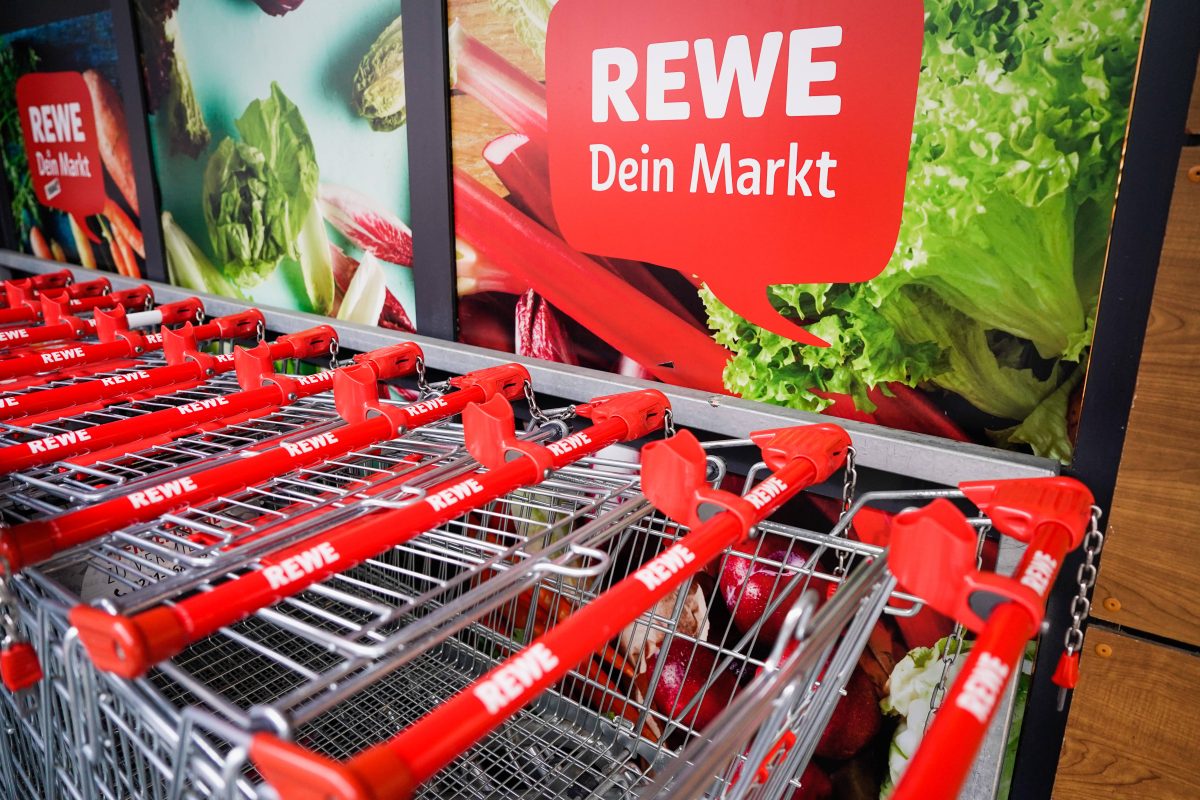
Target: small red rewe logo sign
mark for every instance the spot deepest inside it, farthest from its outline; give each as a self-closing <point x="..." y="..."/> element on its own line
<point x="59" y="130"/>
<point x="747" y="143"/>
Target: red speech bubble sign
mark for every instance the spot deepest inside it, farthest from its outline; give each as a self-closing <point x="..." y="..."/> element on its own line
<point x="59" y="130"/>
<point x="747" y="143"/>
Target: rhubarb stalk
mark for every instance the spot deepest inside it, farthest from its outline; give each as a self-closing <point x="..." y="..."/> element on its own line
<point x="669" y="347"/>
<point x="525" y="172"/>
<point x="504" y="89"/>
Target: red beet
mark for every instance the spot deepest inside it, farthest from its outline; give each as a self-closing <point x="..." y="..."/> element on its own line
<point x="856" y="719"/>
<point x="814" y="784"/>
<point x="686" y="670"/>
<point x="749" y="585"/>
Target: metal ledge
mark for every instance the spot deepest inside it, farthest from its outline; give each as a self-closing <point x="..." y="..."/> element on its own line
<point x="918" y="456"/>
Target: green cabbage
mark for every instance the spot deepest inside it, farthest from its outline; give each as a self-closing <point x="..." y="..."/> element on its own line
<point x="992" y="287"/>
<point x="379" y="82"/>
<point x="529" y="19"/>
<point x="259" y="191"/>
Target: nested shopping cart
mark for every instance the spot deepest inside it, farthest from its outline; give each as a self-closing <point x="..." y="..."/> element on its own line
<point x="339" y="667"/>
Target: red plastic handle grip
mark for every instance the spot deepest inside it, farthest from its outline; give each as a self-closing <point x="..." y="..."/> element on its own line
<point x="186" y="310"/>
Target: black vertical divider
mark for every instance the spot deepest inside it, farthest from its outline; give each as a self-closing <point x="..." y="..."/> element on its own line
<point x="431" y="199"/>
<point x="129" y="71"/>
<point x="1157" y="120"/>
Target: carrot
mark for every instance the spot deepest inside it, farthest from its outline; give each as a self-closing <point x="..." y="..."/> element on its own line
<point x="57" y="251"/>
<point x="123" y="226"/>
<point x="113" y="135"/>
<point x="82" y="235"/>
<point x="37" y="243"/>
<point x="123" y="257"/>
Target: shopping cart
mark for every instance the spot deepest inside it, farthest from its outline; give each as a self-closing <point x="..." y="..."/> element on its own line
<point x="339" y="667"/>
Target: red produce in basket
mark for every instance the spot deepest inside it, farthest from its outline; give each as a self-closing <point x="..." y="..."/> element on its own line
<point x="749" y="584"/>
<point x="814" y="785"/>
<point x="684" y="675"/>
<point x="855" y="721"/>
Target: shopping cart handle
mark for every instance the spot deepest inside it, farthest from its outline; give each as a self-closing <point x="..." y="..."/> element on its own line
<point x="489" y="430"/>
<point x="111" y="323"/>
<point x="642" y="411"/>
<point x="93" y="288"/>
<point x="138" y="297"/>
<point x="179" y="344"/>
<point x="932" y="555"/>
<point x="19" y="293"/>
<point x="241" y="325"/>
<point x="823" y="445"/>
<point x="55" y="307"/>
<point x="187" y="310"/>
<point x="312" y="342"/>
<point x="393" y="361"/>
<point x="673" y="479"/>
<point x="299" y="774"/>
<point x="506" y="380"/>
<point x="1022" y="507"/>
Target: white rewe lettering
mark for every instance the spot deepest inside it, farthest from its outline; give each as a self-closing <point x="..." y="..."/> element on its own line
<point x="1039" y="572"/>
<point x="200" y="405"/>
<point x="983" y="687"/>
<point x="661" y="569"/>
<point x="460" y="491"/>
<point x="9" y="402"/>
<point x="162" y="492"/>
<point x="308" y="380"/>
<point x="298" y="566"/>
<point x="54" y="356"/>
<point x="572" y="442"/>
<point x="309" y="445"/>
<point x="14" y="334"/>
<point x="57" y="441"/>
<point x="125" y="377"/>
<point x="766" y="491"/>
<point x="508" y="681"/>
<point x="425" y="406"/>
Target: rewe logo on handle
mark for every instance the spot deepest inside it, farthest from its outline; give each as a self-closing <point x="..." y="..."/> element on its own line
<point x="748" y="144"/>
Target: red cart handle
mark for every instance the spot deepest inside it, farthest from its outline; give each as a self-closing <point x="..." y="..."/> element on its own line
<point x="395" y="768"/>
<point x="932" y="551"/>
<point x="25" y="291"/>
<point x="1052" y="515"/>
<point x="46" y="280"/>
<point x="86" y="395"/>
<point x="130" y="645"/>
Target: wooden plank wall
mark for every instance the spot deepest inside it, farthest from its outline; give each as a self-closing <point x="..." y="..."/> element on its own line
<point x="1134" y="731"/>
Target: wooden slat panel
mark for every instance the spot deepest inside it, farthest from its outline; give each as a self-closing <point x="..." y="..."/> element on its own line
<point x="1151" y="562"/>
<point x="1134" y="731"/>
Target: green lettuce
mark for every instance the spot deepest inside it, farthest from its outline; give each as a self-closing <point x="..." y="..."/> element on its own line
<point x="379" y="82"/>
<point x="259" y="191"/>
<point x="991" y="289"/>
<point x="529" y="20"/>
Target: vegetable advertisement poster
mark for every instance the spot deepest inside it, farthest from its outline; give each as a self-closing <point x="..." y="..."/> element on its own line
<point x="64" y="146"/>
<point x="892" y="212"/>
<point x="277" y="129"/>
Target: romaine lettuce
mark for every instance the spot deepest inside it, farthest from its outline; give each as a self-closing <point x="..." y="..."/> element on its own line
<point x="1020" y="116"/>
<point x="259" y="191"/>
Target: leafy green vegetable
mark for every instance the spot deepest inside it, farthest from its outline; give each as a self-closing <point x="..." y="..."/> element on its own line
<point x="188" y="130"/>
<point x="316" y="263"/>
<point x="1045" y="429"/>
<point x="910" y="697"/>
<point x="189" y="267"/>
<point x="1021" y="113"/>
<point x="259" y="192"/>
<point x="529" y="18"/>
<point x="379" y="82"/>
<point x="14" y="62"/>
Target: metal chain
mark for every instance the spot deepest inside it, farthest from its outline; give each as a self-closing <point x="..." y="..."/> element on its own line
<point x="260" y="331"/>
<point x="200" y="317"/>
<point x="954" y="645"/>
<point x="538" y="415"/>
<point x="1085" y="579"/>
<point x="333" y="353"/>
<point x="423" y="388"/>
<point x="668" y="424"/>
<point x="849" y="489"/>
